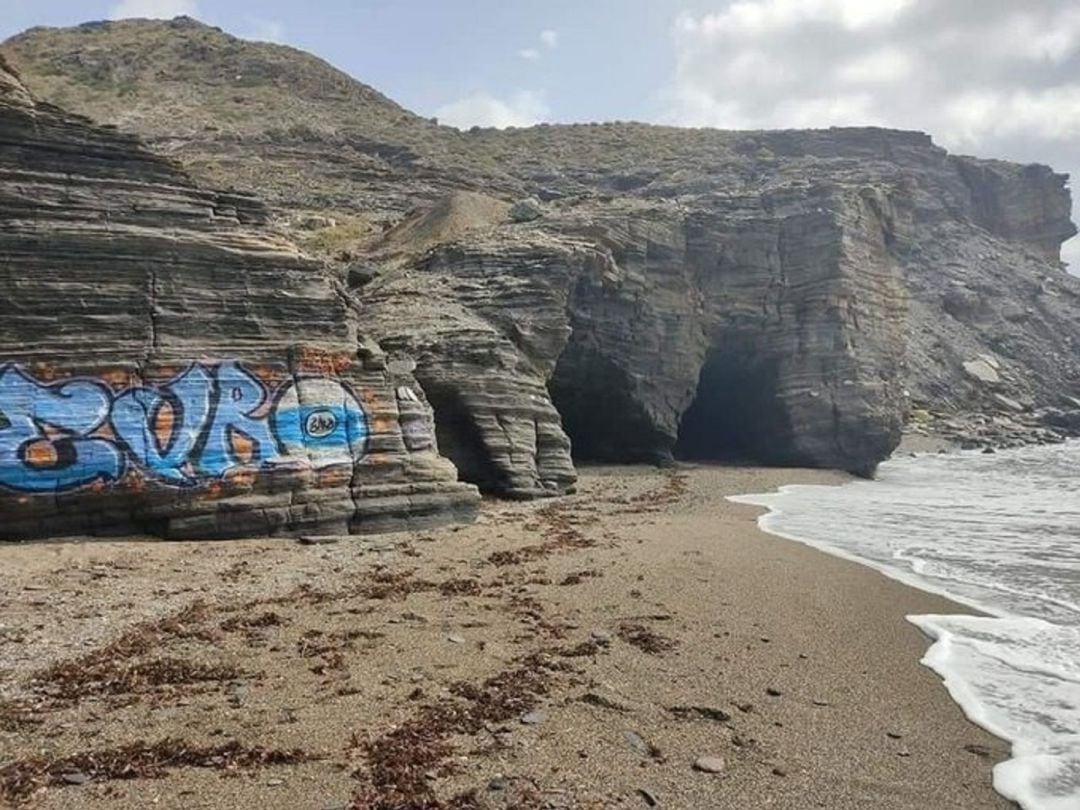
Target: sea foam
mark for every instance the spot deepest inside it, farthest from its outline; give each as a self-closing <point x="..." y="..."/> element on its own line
<point x="1001" y="534"/>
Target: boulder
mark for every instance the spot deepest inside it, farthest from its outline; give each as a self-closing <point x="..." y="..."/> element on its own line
<point x="981" y="371"/>
<point x="526" y="210"/>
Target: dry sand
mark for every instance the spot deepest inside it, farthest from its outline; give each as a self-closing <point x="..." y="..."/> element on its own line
<point x="638" y="626"/>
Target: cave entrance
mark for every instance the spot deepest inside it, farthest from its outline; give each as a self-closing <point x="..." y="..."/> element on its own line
<point x="460" y="440"/>
<point x="603" y="419"/>
<point x="736" y="415"/>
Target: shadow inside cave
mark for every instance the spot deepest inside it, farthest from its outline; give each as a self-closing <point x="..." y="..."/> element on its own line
<point x="736" y="415"/>
<point x="599" y="412"/>
<point x="460" y="440"/>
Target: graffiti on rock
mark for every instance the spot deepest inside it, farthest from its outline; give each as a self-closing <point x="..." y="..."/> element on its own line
<point x="200" y="425"/>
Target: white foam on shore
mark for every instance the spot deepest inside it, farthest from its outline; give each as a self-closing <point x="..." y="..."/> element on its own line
<point x="996" y="534"/>
<point x="1020" y="680"/>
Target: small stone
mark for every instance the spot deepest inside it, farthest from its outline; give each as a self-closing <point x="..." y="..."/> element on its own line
<point x="778" y="771"/>
<point x="275" y="782"/>
<point x="318" y="540"/>
<point x="497" y="783"/>
<point x="75" y="778"/>
<point x="893" y="735"/>
<point x="821" y="703"/>
<point x="1008" y="403"/>
<point x="636" y="741"/>
<point x="709" y="764"/>
<point x="904" y="753"/>
<point x="535" y="718"/>
<point x="982" y="371"/>
<point x="526" y="210"/>
<point x="606" y="700"/>
<point x="772" y="691"/>
<point x="455" y="639"/>
<point x="601" y="636"/>
<point x="649" y="797"/>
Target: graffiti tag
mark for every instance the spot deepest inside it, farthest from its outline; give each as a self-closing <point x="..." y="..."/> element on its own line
<point x="200" y="425"/>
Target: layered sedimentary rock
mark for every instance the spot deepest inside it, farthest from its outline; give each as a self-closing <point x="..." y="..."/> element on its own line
<point x="168" y="366"/>
<point x="792" y="315"/>
<point x="787" y="297"/>
<point x="737" y="328"/>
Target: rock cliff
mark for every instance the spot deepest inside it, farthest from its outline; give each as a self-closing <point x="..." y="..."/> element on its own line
<point x="167" y="365"/>
<point x="787" y="297"/>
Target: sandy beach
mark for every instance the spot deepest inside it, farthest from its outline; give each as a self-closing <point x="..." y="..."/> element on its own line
<point x="583" y="652"/>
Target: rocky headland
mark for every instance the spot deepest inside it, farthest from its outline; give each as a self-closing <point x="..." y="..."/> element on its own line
<point x="601" y="292"/>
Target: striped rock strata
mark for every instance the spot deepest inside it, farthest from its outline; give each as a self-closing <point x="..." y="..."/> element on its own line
<point x="168" y="366"/>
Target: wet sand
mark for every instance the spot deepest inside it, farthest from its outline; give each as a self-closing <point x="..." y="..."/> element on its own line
<point x="577" y="653"/>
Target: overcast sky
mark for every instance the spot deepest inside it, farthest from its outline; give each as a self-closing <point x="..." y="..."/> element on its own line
<point x="997" y="78"/>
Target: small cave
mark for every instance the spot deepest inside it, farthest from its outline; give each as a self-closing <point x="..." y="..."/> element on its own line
<point x="460" y="440"/>
<point x="599" y="413"/>
<point x="735" y="415"/>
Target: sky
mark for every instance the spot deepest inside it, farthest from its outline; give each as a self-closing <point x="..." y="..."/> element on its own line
<point x="994" y="78"/>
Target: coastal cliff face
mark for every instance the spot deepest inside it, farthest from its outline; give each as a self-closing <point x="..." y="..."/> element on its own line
<point x="786" y="297"/>
<point x="168" y="366"/>
<point x="649" y="329"/>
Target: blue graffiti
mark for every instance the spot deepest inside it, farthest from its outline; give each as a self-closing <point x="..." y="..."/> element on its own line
<point x="44" y="441"/>
<point x="159" y="445"/>
<point x="313" y="418"/>
<point x="198" y="426"/>
<point x="240" y="396"/>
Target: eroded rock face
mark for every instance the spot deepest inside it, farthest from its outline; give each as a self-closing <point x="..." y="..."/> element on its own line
<point x="168" y="366"/>
<point x="716" y="332"/>
<point x="784" y="297"/>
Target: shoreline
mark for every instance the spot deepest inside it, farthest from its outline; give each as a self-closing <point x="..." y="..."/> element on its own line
<point x="636" y="627"/>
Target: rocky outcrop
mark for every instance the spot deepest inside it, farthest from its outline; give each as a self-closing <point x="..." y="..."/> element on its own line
<point x="625" y="291"/>
<point x="169" y="366"/>
<point x="795" y="320"/>
<point x="648" y="329"/>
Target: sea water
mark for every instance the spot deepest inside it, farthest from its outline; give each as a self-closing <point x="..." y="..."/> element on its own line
<point x="999" y="533"/>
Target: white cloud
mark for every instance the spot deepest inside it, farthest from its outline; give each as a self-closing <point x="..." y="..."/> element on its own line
<point x="972" y="76"/>
<point x="524" y="108"/>
<point x="889" y="64"/>
<point x="265" y="30"/>
<point x="758" y="18"/>
<point x="154" y="9"/>
<point x="548" y="38"/>
<point x="1052" y="114"/>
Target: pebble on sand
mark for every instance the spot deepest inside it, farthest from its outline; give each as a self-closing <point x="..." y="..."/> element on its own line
<point x="649" y="797"/>
<point x="709" y="764"/>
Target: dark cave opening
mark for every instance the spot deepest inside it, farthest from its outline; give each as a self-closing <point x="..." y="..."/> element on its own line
<point x="599" y="413"/>
<point x="460" y="440"/>
<point x="736" y="415"/>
